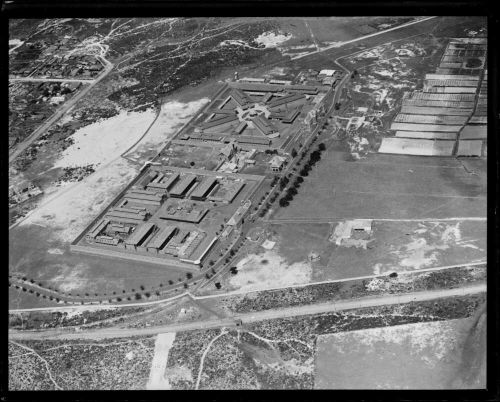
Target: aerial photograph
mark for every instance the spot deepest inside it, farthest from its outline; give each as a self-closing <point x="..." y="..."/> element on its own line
<point x="234" y="203"/>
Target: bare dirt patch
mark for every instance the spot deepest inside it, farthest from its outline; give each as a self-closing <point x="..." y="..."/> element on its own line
<point x="371" y="358"/>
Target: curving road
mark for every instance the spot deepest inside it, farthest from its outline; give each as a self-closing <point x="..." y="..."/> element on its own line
<point x="107" y="333"/>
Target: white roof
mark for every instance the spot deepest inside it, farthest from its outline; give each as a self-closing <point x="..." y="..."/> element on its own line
<point x="277" y="160"/>
<point x="329" y="73"/>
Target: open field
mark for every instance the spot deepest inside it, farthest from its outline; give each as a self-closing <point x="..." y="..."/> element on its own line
<point x="77" y="273"/>
<point x="203" y="156"/>
<point x="434" y="356"/>
<point x="383" y="186"/>
<point x="391" y="247"/>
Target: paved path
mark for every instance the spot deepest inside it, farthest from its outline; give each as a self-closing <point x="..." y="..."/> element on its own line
<point x="296" y="311"/>
<point x="323" y="49"/>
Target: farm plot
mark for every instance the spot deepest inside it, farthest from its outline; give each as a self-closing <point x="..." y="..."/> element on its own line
<point x="426" y="135"/>
<point x="471" y="132"/>
<point x="418" y="110"/>
<point x="470" y="148"/>
<point x="415" y="146"/>
<point x="425" y="127"/>
<point x="430" y="119"/>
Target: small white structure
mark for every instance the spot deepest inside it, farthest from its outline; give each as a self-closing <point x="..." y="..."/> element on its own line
<point x="344" y="230"/>
<point x="327" y="73"/>
<point x="268" y="244"/>
<point x="364" y="225"/>
<point x="277" y="163"/>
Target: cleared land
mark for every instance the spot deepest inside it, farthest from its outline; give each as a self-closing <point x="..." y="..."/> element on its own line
<point x="76" y="273"/>
<point x="389" y="186"/>
<point x="436" y="355"/>
<point x="392" y="246"/>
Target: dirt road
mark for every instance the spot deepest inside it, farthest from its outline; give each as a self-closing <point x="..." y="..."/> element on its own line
<point x="107" y="333"/>
<point x="323" y="49"/>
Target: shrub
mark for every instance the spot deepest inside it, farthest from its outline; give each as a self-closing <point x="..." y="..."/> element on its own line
<point x="138" y="296"/>
<point x="218" y="285"/>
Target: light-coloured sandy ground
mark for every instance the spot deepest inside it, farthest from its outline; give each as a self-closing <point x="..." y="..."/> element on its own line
<point x="157" y="377"/>
<point x="413" y="356"/>
<point x="425" y="245"/>
<point x="173" y="116"/>
<point x="268" y="270"/>
<point x="104" y="141"/>
<point x="73" y="208"/>
<point x="271" y="39"/>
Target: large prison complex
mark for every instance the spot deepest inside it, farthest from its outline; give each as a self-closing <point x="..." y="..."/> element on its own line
<point x="170" y="215"/>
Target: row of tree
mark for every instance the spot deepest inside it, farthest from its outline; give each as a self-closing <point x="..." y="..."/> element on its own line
<point x="292" y="190"/>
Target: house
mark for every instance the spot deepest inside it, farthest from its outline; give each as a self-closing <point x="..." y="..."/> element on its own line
<point x="327" y="73"/>
<point x="277" y="163"/>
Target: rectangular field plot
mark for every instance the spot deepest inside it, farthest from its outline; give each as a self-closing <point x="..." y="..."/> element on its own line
<point x="448" y="111"/>
<point x="410" y="356"/>
<point x="451" y="77"/>
<point x="430" y="119"/>
<point x="450" y="65"/>
<point x="469" y="147"/>
<point x="444" y="97"/>
<point x="439" y="103"/>
<point x="479" y="119"/>
<point x="389" y="186"/>
<point x="451" y="90"/>
<point x="473" y="132"/>
<point x="450" y="83"/>
<point x="425" y="127"/>
<point x="426" y="135"/>
<point x="411" y="146"/>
